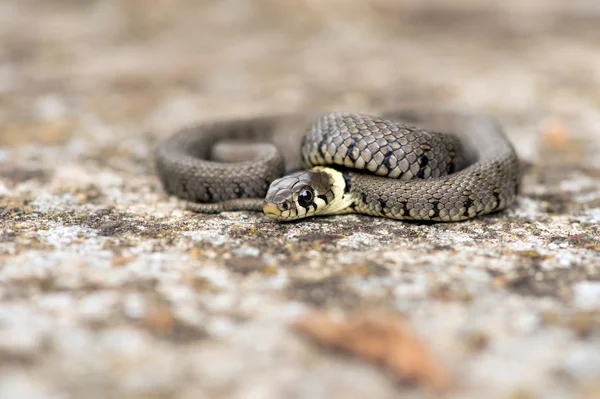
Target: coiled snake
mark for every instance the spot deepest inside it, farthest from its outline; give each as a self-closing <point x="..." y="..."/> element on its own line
<point x="380" y="166"/>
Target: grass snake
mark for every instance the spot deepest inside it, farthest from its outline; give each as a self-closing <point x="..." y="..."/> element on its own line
<point x="451" y="167"/>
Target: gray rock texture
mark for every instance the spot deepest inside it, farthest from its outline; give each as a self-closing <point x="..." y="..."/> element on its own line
<point x="111" y="289"/>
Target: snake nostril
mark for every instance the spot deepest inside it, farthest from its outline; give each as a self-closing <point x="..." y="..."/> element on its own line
<point x="285" y="206"/>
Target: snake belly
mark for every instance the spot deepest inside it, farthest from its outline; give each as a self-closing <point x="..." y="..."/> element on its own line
<point x="389" y="167"/>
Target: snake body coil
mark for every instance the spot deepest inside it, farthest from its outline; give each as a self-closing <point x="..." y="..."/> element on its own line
<point x="377" y="166"/>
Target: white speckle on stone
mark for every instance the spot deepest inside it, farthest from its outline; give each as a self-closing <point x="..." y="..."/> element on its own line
<point x="221" y="302"/>
<point x="218" y="278"/>
<point x="277" y="282"/>
<point x="246" y="250"/>
<point x="50" y="107"/>
<point x="587" y="197"/>
<point x="176" y="213"/>
<point x="234" y="216"/>
<point x="64" y="236"/>
<point x="158" y="374"/>
<point x="346" y="258"/>
<point x="177" y="293"/>
<point x="525" y="322"/>
<point x="587" y="295"/>
<point x="220" y="327"/>
<point x="383" y="232"/>
<point x="578" y="184"/>
<point x="77" y="147"/>
<point x="98" y="305"/>
<point x="251" y="303"/>
<point x="565" y="259"/>
<point x="358" y="239"/>
<point x="269" y="259"/>
<point x="57" y="302"/>
<point x="476" y="275"/>
<point x="291" y="235"/>
<point x="583" y="362"/>
<point x="214" y="239"/>
<point x="449" y="236"/>
<point x="72" y="340"/>
<point x="20" y="340"/>
<point x="13" y="386"/>
<point x="529" y="245"/>
<point x="3" y="189"/>
<point x="124" y="343"/>
<point x="413" y="287"/>
<point x="134" y="306"/>
<point x="368" y="286"/>
<point x="526" y="208"/>
<point x="4" y="155"/>
<point x="72" y="174"/>
<point x="293" y="310"/>
<point x="189" y="314"/>
<point x="591" y="216"/>
<point x="46" y="202"/>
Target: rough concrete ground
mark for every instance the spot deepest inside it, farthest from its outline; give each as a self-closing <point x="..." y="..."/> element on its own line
<point x="108" y="288"/>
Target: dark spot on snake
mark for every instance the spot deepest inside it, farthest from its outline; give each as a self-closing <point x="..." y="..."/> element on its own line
<point x="436" y="209"/>
<point x="324" y="198"/>
<point x="307" y="207"/>
<point x="303" y="154"/>
<point x="347" y="181"/>
<point x="423" y="162"/>
<point x="364" y="197"/>
<point x="209" y="195"/>
<point x="497" y="196"/>
<point x="382" y="204"/>
<point x="405" y="210"/>
<point x="184" y="189"/>
<point x="349" y="153"/>
<point x="468" y="203"/>
<point x="451" y="167"/>
<point x="387" y="156"/>
<point x="239" y="191"/>
<point x="322" y="149"/>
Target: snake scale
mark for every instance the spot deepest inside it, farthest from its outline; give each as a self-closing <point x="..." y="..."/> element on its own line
<point x="451" y="167"/>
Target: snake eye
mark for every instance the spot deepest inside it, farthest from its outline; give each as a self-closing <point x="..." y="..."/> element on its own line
<point x="305" y="197"/>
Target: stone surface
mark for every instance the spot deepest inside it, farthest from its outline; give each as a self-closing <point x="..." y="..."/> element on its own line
<point x="109" y="288"/>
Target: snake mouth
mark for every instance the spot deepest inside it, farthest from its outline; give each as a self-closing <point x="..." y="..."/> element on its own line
<point x="271" y="211"/>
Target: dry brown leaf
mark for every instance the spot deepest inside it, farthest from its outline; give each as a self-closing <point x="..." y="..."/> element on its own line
<point x="380" y="338"/>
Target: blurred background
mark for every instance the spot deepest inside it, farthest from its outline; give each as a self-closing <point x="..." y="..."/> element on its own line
<point x="112" y="287"/>
<point x="126" y="66"/>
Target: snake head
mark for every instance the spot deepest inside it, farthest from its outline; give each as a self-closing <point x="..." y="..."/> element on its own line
<point x="303" y="194"/>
